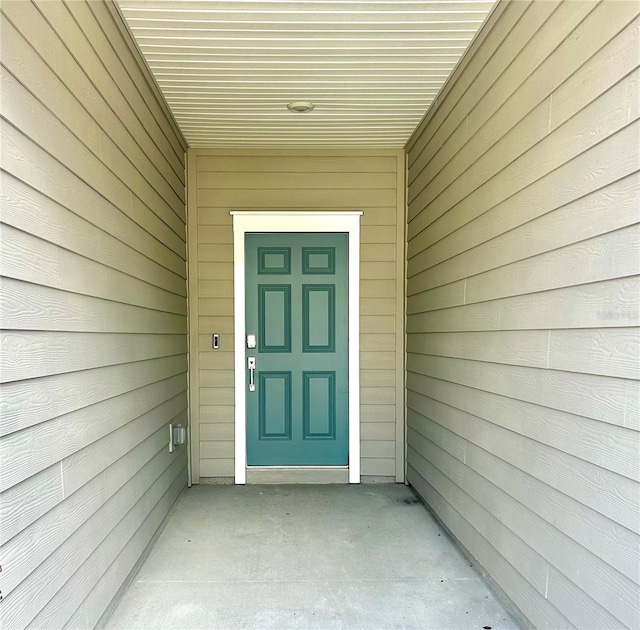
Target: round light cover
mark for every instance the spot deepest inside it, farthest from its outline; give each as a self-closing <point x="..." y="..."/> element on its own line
<point x="300" y="106"/>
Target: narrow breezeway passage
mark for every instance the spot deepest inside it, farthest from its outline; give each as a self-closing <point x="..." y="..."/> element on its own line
<point x="311" y="557"/>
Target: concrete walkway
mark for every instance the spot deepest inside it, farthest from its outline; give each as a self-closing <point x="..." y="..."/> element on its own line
<point x="324" y="557"/>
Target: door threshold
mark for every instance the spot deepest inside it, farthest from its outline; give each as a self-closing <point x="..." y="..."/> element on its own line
<point x="297" y="474"/>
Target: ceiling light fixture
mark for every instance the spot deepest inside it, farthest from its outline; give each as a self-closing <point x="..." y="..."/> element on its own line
<point x="300" y="106"/>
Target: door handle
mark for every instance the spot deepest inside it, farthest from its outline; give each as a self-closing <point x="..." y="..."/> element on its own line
<point x="251" y="365"/>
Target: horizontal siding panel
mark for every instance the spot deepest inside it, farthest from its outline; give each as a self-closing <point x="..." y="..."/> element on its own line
<point x="23" y="504"/>
<point x="523" y="220"/>
<point x="29" y="402"/>
<point x="217" y="468"/>
<point x="216" y="307"/>
<point x="377" y="413"/>
<point x="505" y="542"/>
<point x="41" y="126"/>
<point x="93" y="310"/>
<point x="508" y="240"/>
<point x="274" y="180"/>
<point x="222" y="431"/>
<point x="379" y="449"/>
<point x="608" y="493"/>
<point x="291" y="163"/>
<point x="550" y="33"/>
<point x="376" y="234"/>
<point x="216" y="378"/>
<point x="51" y="531"/>
<point x="608" y="66"/>
<point x="599" y="25"/>
<point x="28" y="162"/>
<point x="215" y="288"/>
<point x="215" y="253"/>
<point x="582" y="306"/>
<point x="74" y="431"/>
<point x="52" y="266"/>
<point x="77" y="115"/>
<point x="380" y="360"/>
<point x="608" y="352"/>
<point x="377" y="288"/>
<point x="375" y="431"/>
<point x="215" y="271"/>
<point x="632" y="410"/>
<point x="578" y="608"/>
<point x="514" y="231"/>
<point x="593" y="531"/>
<point x="597" y="254"/>
<point x="114" y="76"/>
<point x="216" y="360"/>
<point x="220" y="216"/>
<point x="378" y="271"/>
<point x="505" y="259"/>
<point x="477" y="164"/>
<point x="569" y="558"/>
<point x="378" y="467"/>
<point x="477" y="71"/>
<point x="119" y="565"/>
<point x="378" y="395"/>
<point x="433" y="299"/>
<point x="377" y="306"/>
<point x="596" y="397"/>
<point x="214" y="416"/>
<point x="483" y="130"/>
<point x="317" y="198"/>
<point x="614" y="545"/>
<point x="371" y="215"/>
<point x="613" y="448"/>
<point x="23" y="208"/>
<point x="377" y="378"/>
<point x="525" y="348"/>
<point x="219" y="324"/>
<point x="277" y="179"/>
<point x="528" y="600"/>
<point x="218" y="396"/>
<point x="382" y="342"/>
<point x="218" y="449"/>
<point x="615" y="256"/>
<point x="89" y="462"/>
<point x="373" y="324"/>
<point x="378" y="252"/>
<point x="37" y="307"/>
<point x="129" y="64"/>
<point x="597" y="160"/>
<point x="31" y="601"/>
<point x="69" y="598"/>
<point x="218" y="234"/>
<point x="36" y="354"/>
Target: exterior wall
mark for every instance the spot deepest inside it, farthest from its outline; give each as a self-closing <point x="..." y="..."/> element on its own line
<point x="371" y="181"/>
<point x="93" y="351"/>
<point x="523" y="295"/>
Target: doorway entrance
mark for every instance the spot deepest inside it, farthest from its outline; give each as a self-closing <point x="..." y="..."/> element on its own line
<point x="296" y="310"/>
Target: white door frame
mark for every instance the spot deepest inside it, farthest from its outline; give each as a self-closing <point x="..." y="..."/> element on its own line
<point x="296" y="221"/>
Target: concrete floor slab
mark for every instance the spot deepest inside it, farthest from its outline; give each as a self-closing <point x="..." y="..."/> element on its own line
<point x="332" y="556"/>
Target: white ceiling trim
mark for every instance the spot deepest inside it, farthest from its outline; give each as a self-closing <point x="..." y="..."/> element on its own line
<point x="228" y="68"/>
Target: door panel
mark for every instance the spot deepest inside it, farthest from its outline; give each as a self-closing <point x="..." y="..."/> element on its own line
<point x="296" y="304"/>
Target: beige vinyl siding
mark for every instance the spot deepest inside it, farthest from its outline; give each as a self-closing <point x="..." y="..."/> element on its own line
<point x="523" y="306"/>
<point x="370" y="181"/>
<point x="93" y="312"/>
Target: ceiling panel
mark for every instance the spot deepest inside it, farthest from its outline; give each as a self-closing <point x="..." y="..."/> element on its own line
<point x="228" y="68"/>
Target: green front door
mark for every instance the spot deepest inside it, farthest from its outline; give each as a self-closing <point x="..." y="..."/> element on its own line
<point x="296" y="316"/>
